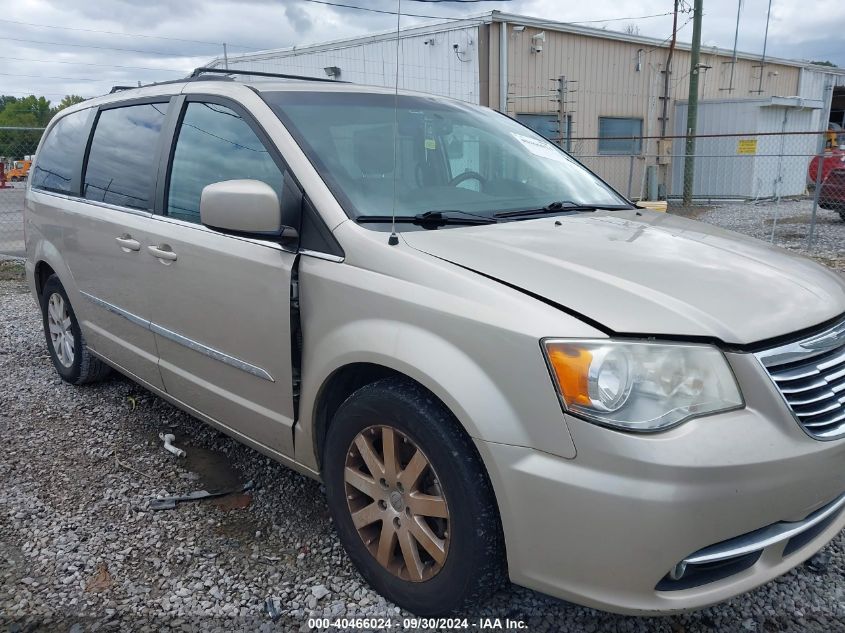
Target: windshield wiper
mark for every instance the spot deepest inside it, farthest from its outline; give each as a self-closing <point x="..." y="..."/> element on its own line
<point x="562" y="205"/>
<point x="430" y="219"/>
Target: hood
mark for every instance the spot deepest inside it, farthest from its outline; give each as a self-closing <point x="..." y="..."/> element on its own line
<point x="652" y="273"/>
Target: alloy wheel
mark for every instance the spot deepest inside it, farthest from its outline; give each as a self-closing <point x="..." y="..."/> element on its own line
<point x="397" y="504"/>
<point x="61" y="331"/>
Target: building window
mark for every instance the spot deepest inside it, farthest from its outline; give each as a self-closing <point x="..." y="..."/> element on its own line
<point x="547" y="126"/>
<point x="620" y="135"/>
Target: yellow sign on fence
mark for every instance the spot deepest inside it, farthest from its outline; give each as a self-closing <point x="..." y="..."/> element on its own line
<point x="746" y="146"/>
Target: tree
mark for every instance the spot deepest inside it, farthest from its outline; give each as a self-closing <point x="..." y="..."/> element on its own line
<point x="5" y="100"/>
<point x="632" y="29"/>
<point x="825" y="63"/>
<point x="68" y="101"/>
<point x="29" y="111"/>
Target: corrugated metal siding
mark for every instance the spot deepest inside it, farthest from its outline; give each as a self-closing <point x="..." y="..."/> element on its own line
<point x="779" y="167"/>
<point x="609" y="84"/>
<point x="433" y="68"/>
<point x="605" y="82"/>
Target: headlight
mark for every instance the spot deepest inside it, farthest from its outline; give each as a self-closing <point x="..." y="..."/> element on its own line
<point x="641" y="386"/>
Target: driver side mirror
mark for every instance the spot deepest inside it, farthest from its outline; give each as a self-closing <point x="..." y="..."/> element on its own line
<point x="245" y="207"/>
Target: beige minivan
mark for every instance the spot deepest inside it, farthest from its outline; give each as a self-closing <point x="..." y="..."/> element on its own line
<point x="497" y="365"/>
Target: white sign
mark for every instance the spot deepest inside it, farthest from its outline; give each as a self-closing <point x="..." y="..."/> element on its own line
<point x="540" y="147"/>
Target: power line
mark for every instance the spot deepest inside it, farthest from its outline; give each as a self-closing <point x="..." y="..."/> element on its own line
<point x="651" y="49"/>
<point x="51" y="77"/>
<point x="56" y="61"/>
<point x="107" y="48"/>
<point x="383" y="11"/>
<point x="635" y="17"/>
<point x="33" y="93"/>
<point x="157" y="37"/>
<point x="450" y="17"/>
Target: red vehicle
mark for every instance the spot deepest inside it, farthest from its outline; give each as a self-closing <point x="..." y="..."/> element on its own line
<point x="832" y="193"/>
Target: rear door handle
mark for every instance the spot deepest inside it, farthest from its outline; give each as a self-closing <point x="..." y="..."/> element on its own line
<point x="127" y="243"/>
<point x="163" y="252"/>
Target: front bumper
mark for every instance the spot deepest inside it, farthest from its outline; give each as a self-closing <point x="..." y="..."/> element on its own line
<point x="607" y="528"/>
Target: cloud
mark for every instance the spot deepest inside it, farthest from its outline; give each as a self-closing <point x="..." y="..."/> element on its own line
<point x="298" y="17"/>
<point x="59" y="61"/>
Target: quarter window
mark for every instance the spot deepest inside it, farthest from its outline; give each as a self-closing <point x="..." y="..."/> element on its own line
<point x="61" y="154"/>
<point x="214" y="144"/>
<point x="123" y="157"/>
<point x="619" y="135"/>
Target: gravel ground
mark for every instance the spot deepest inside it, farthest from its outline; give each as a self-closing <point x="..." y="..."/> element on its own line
<point x="81" y="551"/>
<point x="791" y="221"/>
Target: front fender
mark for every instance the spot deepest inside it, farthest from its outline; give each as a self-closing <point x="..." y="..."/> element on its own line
<point x="492" y="377"/>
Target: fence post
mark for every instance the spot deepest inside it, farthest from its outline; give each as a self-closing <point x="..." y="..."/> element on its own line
<point x="828" y="98"/>
<point x="816" y="193"/>
<point x="630" y="174"/>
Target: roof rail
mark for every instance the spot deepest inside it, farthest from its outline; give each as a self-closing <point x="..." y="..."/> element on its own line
<point x="227" y="71"/>
<point x="119" y="88"/>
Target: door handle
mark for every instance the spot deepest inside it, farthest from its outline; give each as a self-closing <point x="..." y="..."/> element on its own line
<point x="163" y="252"/>
<point x="127" y="243"/>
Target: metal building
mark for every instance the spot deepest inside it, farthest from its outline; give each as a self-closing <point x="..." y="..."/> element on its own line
<point x="583" y="86"/>
<point x="768" y="158"/>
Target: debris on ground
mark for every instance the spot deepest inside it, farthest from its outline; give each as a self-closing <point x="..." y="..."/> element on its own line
<point x="101" y="581"/>
<point x="168" y="503"/>
<point x="168" y="439"/>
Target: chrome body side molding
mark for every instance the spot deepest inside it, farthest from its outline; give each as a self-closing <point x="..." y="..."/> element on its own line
<point x="180" y="339"/>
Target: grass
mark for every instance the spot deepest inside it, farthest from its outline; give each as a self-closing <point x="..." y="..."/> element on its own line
<point x="11" y="270"/>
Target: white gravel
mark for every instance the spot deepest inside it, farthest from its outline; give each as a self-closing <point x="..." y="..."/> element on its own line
<point x="791" y="220"/>
<point x="80" y="551"/>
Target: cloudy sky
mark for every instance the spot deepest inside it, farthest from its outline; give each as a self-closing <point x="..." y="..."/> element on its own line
<point x="57" y="47"/>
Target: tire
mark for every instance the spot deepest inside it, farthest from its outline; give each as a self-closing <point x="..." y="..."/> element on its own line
<point x="70" y="354"/>
<point x="453" y="480"/>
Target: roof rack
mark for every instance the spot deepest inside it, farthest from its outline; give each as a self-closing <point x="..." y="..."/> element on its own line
<point x="119" y="88"/>
<point x="226" y="71"/>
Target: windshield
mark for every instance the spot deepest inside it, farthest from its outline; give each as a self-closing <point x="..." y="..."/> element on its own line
<point x="449" y="156"/>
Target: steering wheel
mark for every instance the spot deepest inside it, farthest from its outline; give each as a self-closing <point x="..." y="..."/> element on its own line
<point x="467" y="175"/>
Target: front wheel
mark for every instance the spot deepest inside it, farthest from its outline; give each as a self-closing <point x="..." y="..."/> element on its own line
<point x="411" y="500"/>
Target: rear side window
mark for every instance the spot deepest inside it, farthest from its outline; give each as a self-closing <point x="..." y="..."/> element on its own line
<point x="123" y="158"/>
<point x="214" y="143"/>
<point x="60" y="157"/>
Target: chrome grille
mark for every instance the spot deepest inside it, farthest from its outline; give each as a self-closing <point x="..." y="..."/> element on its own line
<point x="811" y="377"/>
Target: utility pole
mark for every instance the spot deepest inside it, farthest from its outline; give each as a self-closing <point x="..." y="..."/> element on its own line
<point x="736" y="38"/>
<point x="668" y="71"/>
<point x="765" y="44"/>
<point x="692" y="103"/>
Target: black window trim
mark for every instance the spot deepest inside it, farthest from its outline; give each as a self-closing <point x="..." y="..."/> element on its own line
<point x="170" y="136"/>
<point x="125" y="103"/>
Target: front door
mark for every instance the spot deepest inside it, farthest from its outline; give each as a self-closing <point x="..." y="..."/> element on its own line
<point x="220" y="304"/>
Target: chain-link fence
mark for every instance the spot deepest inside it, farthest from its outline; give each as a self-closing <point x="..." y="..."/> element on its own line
<point x="779" y="180"/>
<point x="17" y="147"/>
<point x="776" y="177"/>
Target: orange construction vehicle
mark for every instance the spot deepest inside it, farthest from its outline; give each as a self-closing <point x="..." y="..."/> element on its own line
<point x="19" y="170"/>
